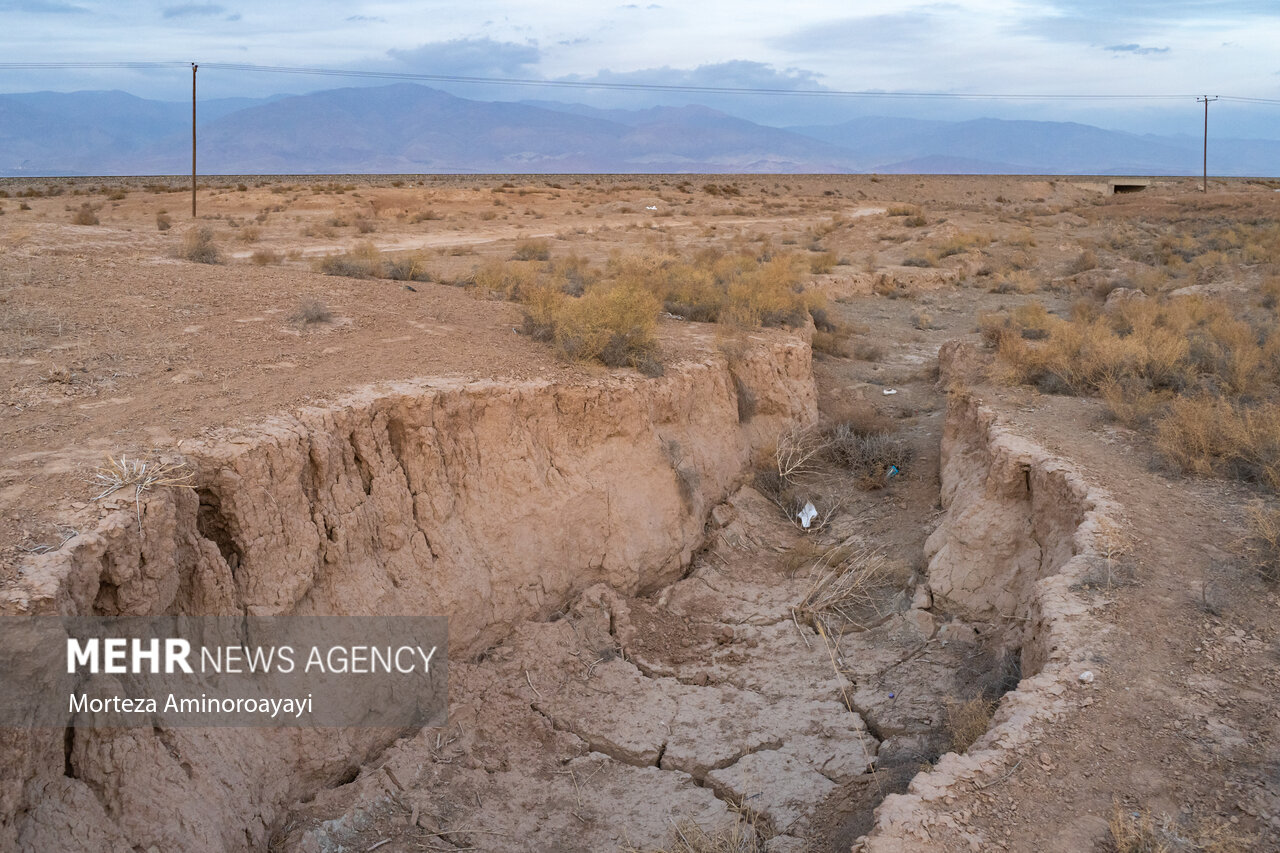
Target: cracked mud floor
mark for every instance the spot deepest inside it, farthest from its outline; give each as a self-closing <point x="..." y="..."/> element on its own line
<point x="627" y="721"/>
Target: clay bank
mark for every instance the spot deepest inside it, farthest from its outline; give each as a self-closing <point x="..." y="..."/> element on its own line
<point x="629" y="661"/>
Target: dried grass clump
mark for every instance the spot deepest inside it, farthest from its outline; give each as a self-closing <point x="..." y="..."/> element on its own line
<point x="743" y="835"/>
<point x="1139" y="831"/>
<point x="509" y="279"/>
<point x="364" y="261"/>
<point x="961" y="243"/>
<point x="830" y="343"/>
<point x="613" y="324"/>
<point x="867" y="449"/>
<point x="846" y="585"/>
<point x="740" y="288"/>
<point x="311" y="310"/>
<point x="1264" y="535"/>
<point x="198" y="247"/>
<point x="822" y="263"/>
<point x="85" y="215"/>
<point x="411" y="268"/>
<point x="1216" y="437"/>
<point x="1187" y="368"/>
<point x="532" y="250"/>
<point x="265" y="257"/>
<point x="967" y="720"/>
<point x="141" y="475"/>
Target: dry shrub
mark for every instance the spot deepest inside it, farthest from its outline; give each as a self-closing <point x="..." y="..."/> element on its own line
<point x="743" y="835"/>
<point x="249" y="234"/>
<point x="510" y="279"/>
<point x="198" y="247"/>
<point x="613" y="324"/>
<point x="532" y="250"/>
<point x="959" y="244"/>
<point x="408" y="268"/>
<point x="822" y="263"/>
<point x="311" y="310"/>
<point x="891" y="287"/>
<point x="163" y="222"/>
<point x="739" y="288"/>
<point x="1015" y="281"/>
<point x="1132" y="403"/>
<point x="1271" y="292"/>
<point x="922" y="321"/>
<point x="265" y="257"/>
<point x="364" y="261"/>
<point x="1139" y="831"/>
<point x="1083" y="262"/>
<point x="865" y="350"/>
<point x="1172" y="344"/>
<point x="846" y="585"/>
<point x="867" y="450"/>
<point x="966" y="720"/>
<point x="829" y="343"/>
<point x="1213" y="436"/>
<point x="1264" y="534"/>
<point x="85" y="215"/>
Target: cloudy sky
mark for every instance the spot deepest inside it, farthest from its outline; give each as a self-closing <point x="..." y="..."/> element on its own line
<point x="1011" y="47"/>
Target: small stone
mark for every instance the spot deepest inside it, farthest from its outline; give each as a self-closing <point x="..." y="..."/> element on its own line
<point x="1086" y="677"/>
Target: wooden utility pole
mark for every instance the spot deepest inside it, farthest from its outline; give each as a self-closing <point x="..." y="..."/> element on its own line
<point x="193" y="139"/>
<point x="1206" y="99"/>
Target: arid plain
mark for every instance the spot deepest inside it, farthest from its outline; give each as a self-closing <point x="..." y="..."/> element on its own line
<point x="1038" y="423"/>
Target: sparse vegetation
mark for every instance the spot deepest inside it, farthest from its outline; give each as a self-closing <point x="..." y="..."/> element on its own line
<point x="967" y="720"/>
<point x="311" y="310"/>
<point x="1140" y="831"/>
<point x="1203" y="379"/>
<point x="265" y="257"/>
<point x="532" y="250"/>
<point x="1264" y="532"/>
<point x="85" y="215"/>
<point x="198" y="247"/>
<point x="612" y="323"/>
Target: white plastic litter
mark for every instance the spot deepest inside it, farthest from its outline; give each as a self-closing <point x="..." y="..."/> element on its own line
<point x="652" y="207"/>
<point x="1086" y="677"/>
<point x="889" y="391"/>
<point x="807" y="515"/>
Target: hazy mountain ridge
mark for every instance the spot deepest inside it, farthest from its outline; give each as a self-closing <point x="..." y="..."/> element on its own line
<point x="408" y="128"/>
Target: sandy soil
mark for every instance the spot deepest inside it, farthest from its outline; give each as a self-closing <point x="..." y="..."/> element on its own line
<point x="110" y="344"/>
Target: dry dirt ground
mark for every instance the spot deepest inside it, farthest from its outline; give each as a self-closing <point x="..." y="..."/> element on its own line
<point x="110" y="343"/>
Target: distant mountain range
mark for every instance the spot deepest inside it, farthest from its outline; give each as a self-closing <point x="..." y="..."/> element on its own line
<point x="406" y="128"/>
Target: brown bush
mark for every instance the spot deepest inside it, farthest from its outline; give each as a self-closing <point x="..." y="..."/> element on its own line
<point x="85" y="215"/>
<point x="265" y="257"/>
<point x="615" y="324"/>
<point x="967" y="720"/>
<point x="532" y="250"/>
<point x="198" y="247"/>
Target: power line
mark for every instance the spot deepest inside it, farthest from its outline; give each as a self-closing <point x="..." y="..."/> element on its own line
<point x="607" y="85"/>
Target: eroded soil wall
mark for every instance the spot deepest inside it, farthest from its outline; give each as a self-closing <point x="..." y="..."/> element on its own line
<point x="1021" y="528"/>
<point x="487" y="502"/>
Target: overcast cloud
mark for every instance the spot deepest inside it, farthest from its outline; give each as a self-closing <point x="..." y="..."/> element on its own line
<point x="1071" y="47"/>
